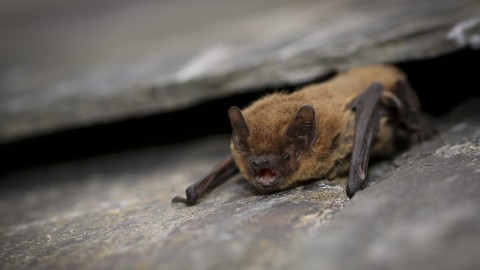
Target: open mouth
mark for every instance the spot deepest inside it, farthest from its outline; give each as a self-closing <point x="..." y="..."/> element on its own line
<point x="265" y="178"/>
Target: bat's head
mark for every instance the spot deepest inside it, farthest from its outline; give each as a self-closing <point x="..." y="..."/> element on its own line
<point x="270" y="165"/>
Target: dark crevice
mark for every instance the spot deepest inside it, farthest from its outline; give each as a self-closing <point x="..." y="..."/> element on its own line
<point x="444" y="82"/>
<point x="184" y="125"/>
<point x="441" y="83"/>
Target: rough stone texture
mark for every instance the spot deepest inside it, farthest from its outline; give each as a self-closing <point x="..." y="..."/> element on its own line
<point x="61" y="69"/>
<point x="114" y="212"/>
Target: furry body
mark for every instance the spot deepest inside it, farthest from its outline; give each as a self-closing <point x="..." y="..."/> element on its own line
<point x="329" y="156"/>
<point x="320" y="131"/>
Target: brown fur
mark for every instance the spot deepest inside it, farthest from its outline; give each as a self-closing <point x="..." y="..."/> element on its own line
<point x="269" y="116"/>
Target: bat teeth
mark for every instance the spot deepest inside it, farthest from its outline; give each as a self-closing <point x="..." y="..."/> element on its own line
<point x="266" y="178"/>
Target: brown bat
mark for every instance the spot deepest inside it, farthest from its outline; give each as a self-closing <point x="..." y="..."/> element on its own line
<point x="319" y="132"/>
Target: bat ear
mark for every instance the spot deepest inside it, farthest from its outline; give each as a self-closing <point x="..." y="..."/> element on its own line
<point x="301" y="130"/>
<point x="240" y="128"/>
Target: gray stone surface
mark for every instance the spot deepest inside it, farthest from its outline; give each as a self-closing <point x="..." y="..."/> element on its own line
<point x="66" y="65"/>
<point x="114" y="212"/>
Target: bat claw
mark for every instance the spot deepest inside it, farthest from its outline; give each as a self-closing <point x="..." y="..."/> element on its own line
<point x="350" y="192"/>
<point x="422" y="135"/>
<point x="179" y="199"/>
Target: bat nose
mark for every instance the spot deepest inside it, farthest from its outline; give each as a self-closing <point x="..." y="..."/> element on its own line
<point x="260" y="163"/>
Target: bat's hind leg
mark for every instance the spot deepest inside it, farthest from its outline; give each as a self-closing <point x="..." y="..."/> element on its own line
<point x="409" y="113"/>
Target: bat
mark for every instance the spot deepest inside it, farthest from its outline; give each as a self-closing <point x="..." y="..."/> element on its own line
<point x="320" y="132"/>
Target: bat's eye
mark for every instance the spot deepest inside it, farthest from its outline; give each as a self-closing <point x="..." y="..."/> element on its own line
<point x="286" y="156"/>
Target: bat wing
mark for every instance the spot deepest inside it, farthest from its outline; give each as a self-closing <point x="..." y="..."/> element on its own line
<point x="224" y="171"/>
<point x="403" y="106"/>
<point x="368" y="110"/>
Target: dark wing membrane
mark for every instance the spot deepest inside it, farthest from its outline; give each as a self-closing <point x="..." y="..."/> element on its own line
<point x="194" y="192"/>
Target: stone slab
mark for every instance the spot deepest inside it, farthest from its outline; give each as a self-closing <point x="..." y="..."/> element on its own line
<point x="74" y="65"/>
